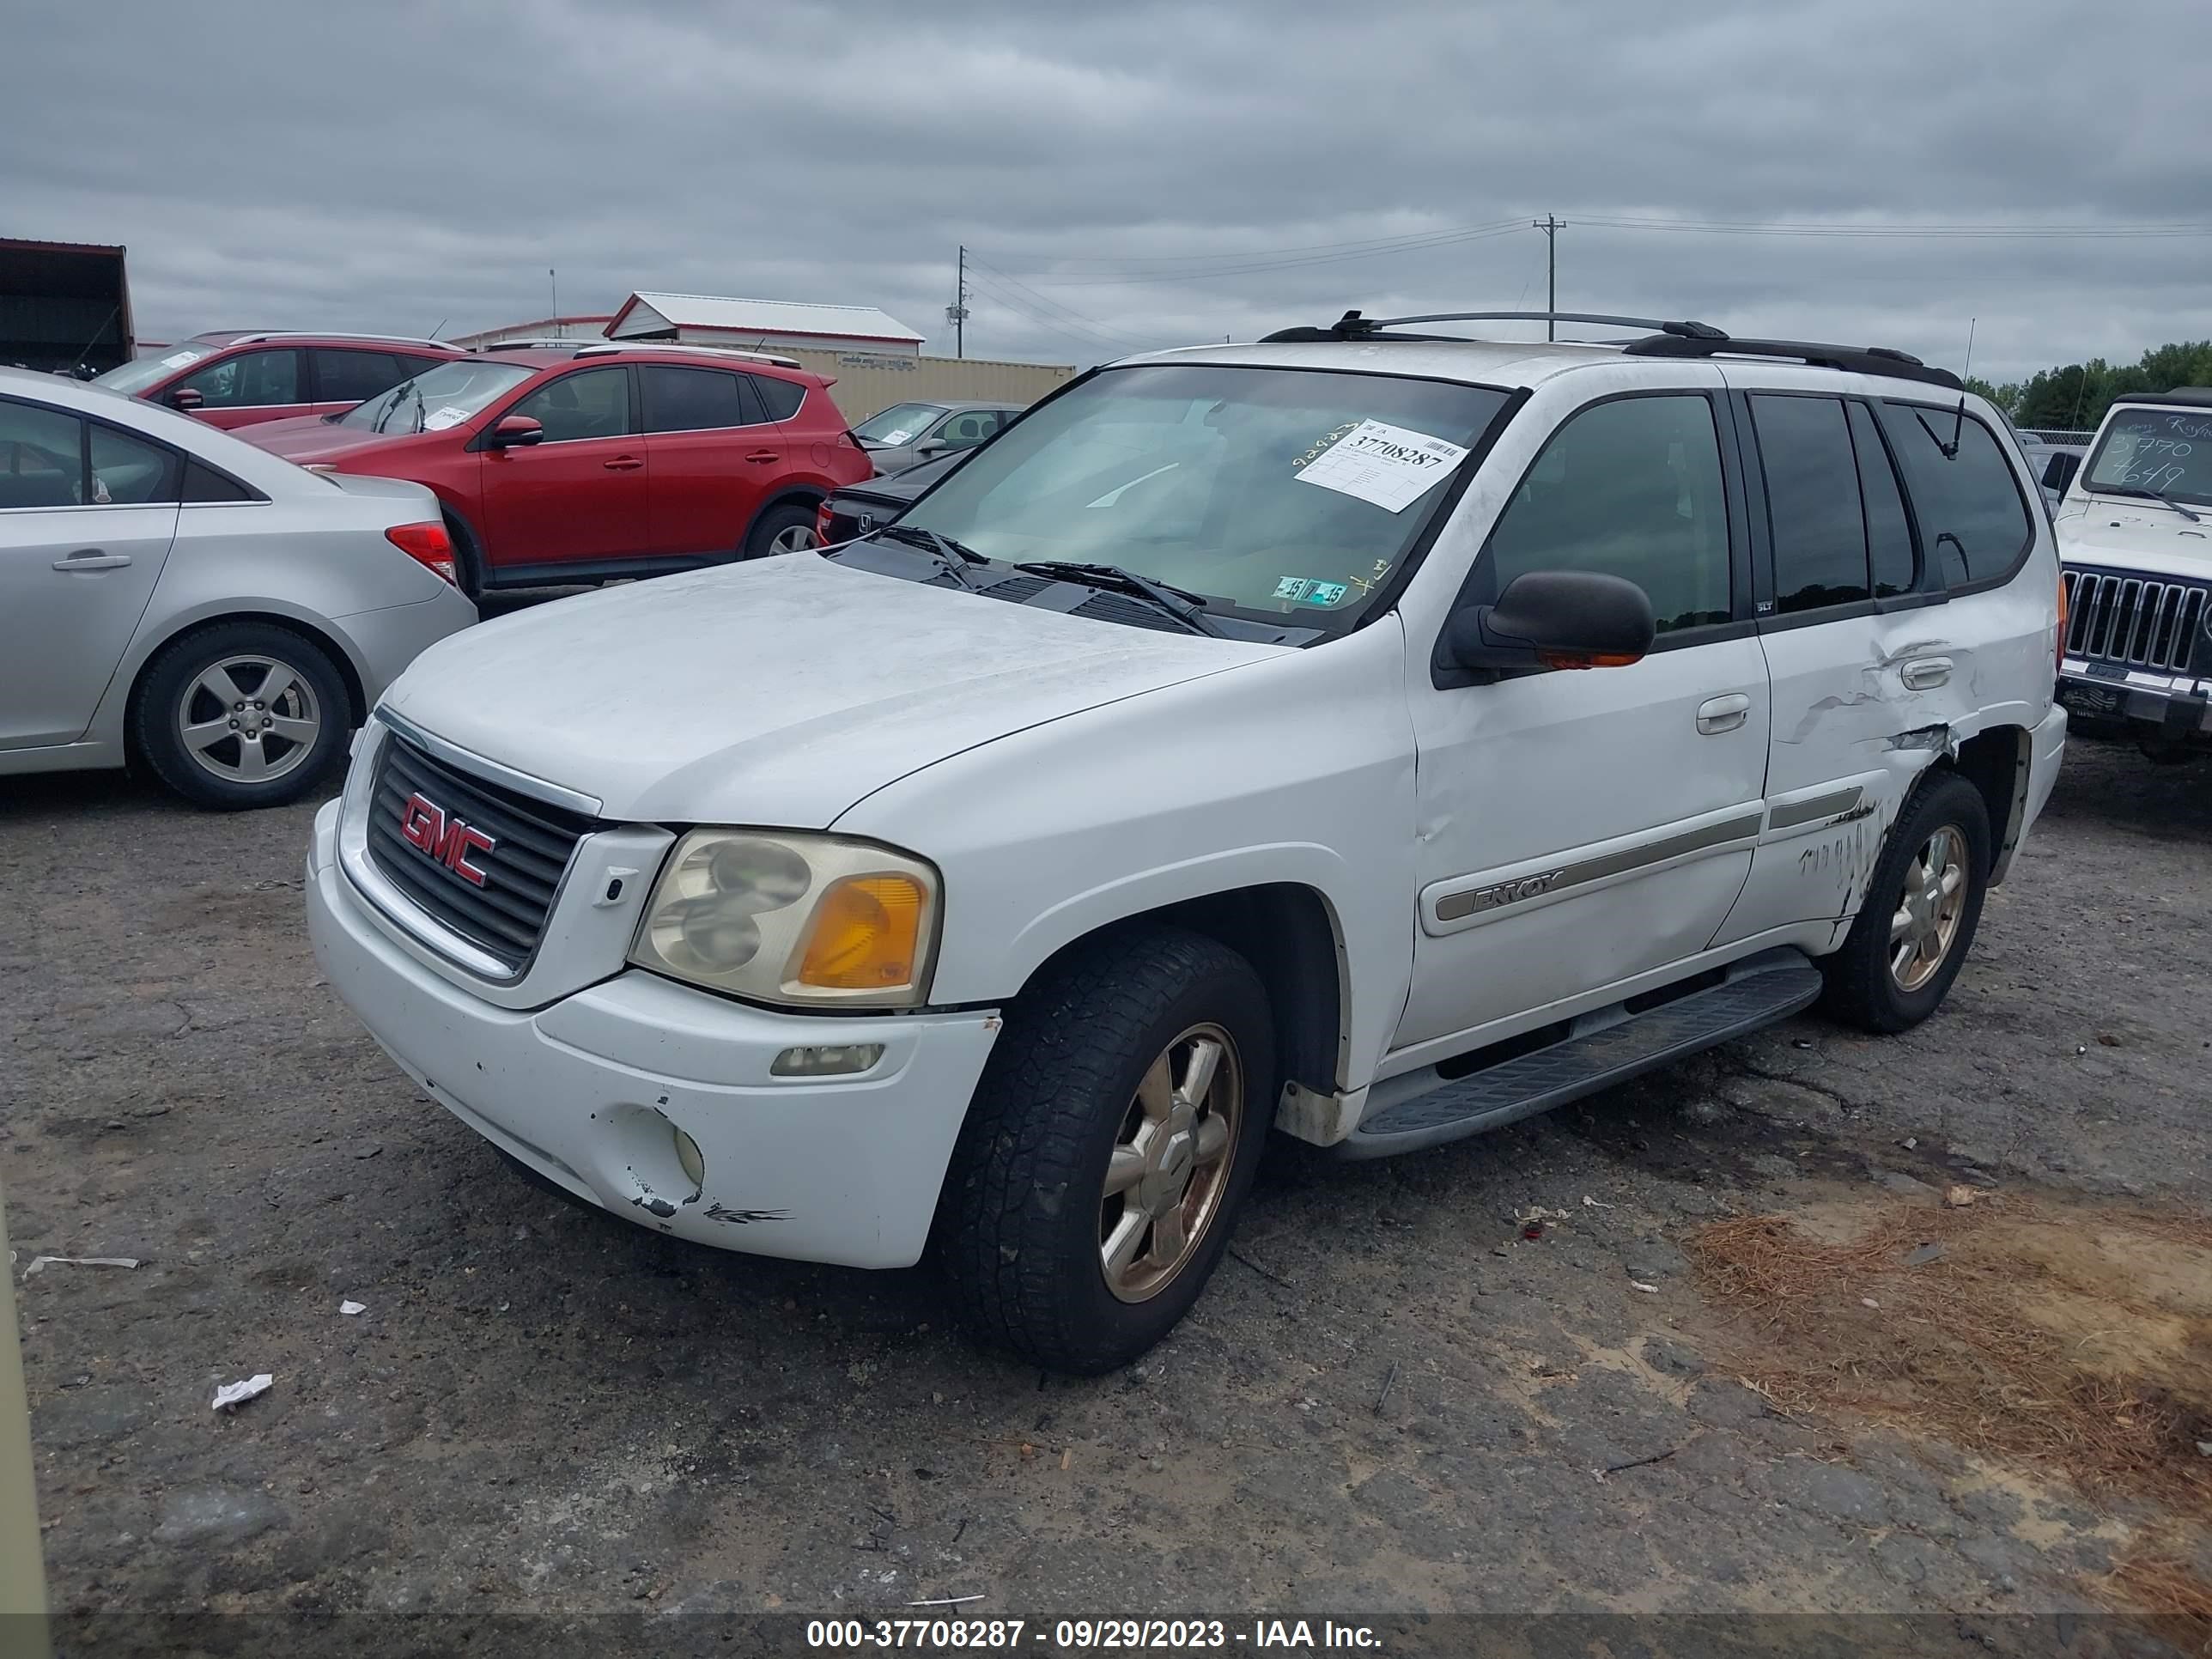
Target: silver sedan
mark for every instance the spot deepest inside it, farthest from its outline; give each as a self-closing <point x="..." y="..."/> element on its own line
<point x="174" y="598"/>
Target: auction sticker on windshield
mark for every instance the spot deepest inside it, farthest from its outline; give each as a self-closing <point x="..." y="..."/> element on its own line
<point x="1388" y="465"/>
<point x="439" y="419"/>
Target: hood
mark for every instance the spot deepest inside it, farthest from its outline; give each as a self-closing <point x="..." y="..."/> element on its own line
<point x="2130" y="537"/>
<point x="304" y="438"/>
<point x="776" y="692"/>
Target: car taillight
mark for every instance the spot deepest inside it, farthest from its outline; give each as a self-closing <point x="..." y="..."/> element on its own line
<point x="2063" y="596"/>
<point x="822" y="518"/>
<point x="427" y="544"/>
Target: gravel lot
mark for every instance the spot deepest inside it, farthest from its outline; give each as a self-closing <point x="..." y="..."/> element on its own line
<point x="1389" y="1404"/>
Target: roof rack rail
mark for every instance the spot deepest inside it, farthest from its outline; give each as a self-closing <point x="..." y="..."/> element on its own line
<point x="1353" y="326"/>
<point x="1671" y="339"/>
<point x="258" y="335"/>
<point x="588" y="348"/>
<point x="1858" y="359"/>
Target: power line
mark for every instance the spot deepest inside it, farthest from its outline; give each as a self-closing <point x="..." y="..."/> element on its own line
<point x="1453" y="239"/>
<point x="1079" y="331"/>
<point x="1964" y="231"/>
<point x="1375" y="242"/>
<point x="1006" y="285"/>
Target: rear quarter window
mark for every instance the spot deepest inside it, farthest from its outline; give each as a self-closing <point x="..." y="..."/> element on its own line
<point x="1974" y="523"/>
<point x="783" y="397"/>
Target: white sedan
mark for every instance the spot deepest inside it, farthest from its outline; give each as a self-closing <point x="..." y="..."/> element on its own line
<point x="173" y="597"/>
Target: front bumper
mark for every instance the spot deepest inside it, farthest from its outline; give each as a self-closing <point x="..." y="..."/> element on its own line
<point x="2178" y="707"/>
<point x="590" y="1090"/>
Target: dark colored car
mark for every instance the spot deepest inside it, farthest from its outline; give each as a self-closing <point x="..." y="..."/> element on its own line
<point x="860" y="508"/>
<point x="243" y="377"/>
<point x="566" y="463"/>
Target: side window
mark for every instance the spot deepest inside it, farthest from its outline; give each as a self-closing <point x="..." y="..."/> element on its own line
<point x="1630" y="487"/>
<point x="1972" y="520"/>
<point x="781" y="397"/>
<point x="969" y="427"/>
<point x="593" y="402"/>
<point x="691" y="399"/>
<point x="128" y="471"/>
<point x="41" y="457"/>
<point x="250" y="379"/>
<point x="346" y="376"/>
<point x="1889" y="532"/>
<point x="203" y="483"/>
<point x="1812" y="502"/>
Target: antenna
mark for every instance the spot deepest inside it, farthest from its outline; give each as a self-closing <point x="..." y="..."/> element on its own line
<point x="1959" y="421"/>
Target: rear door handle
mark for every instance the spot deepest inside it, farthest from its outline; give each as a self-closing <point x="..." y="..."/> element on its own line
<point x="92" y="558"/>
<point x="623" y="464"/>
<point x="764" y="456"/>
<point x="1926" y="674"/>
<point x="1719" y="714"/>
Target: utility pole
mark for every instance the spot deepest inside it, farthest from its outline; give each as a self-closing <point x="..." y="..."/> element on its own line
<point x="554" y="283"/>
<point x="1550" y="226"/>
<point x="957" y="312"/>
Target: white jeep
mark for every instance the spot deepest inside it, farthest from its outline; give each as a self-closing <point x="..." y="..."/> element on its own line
<point x="1364" y="734"/>
<point x="2135" y="536"/>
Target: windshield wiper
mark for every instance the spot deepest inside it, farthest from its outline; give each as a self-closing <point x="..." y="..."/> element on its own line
<point x="2135" y="493"/>
<point x="951" y="556"/>
<point x="1185" y="606"/>
<point x="392" y="400"/>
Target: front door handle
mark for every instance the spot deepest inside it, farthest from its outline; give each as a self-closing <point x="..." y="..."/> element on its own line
<point x="1719" y="714"/>
<point x="1926" y="674"/>
<point x="623" y="464"/>
<point x="93" y="558"/>
<point x="764" y="456"/>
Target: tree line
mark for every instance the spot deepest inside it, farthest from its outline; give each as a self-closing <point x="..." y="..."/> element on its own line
<point x="2075" y="397"/>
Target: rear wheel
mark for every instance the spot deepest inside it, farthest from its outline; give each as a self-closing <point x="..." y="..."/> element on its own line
<point x="242" y="715"/>
<point x="1922" y="906"/>
<point x="467" y="557"/>
<point x="786" y="529"/>
<point x="1109" y="1146"/>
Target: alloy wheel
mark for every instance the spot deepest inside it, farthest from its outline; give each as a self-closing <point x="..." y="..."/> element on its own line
<point x="249" y="719"/>
<point x="1928" y="912"/>
<point x="796" y="540"/>
<point x="1170" y="1163"/>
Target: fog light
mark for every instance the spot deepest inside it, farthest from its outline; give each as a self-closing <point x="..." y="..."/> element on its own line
<point x="694" y="1163"/>
<point x="836" y="1060"/>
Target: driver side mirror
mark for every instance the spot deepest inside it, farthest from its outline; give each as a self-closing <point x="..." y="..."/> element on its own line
<point x="1554" y="619"/>
<point x="931" y="449"/>
<point x="514" y="432"/>
<point x="185" y="397"/>
<point x="2059" y="473"/>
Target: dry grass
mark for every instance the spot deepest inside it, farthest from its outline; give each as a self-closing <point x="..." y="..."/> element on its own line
<point x="2169" y="1590"/>
<point x="2080" y="1340"/>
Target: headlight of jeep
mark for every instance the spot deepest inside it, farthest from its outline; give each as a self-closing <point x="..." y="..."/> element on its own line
<point x="799" y="918"/>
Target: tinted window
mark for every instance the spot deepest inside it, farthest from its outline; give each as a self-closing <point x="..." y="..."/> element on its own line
<point x="968" y="428"/>
<point x="41" y="457"/>
<point x="691" y="399"/>
<point x="1631" y="488"/>
<point x="1889" y="533"/>
<point x="126" y="470"/>
<point x="592" y="404"/>
<point x="250" y="379"/>
<point x="781" y="397"/>
<point x="347" y="376"/>
<point x="1812" y="502"/>
<point x="203" y="483"/>
<point x="1972" y="520"/>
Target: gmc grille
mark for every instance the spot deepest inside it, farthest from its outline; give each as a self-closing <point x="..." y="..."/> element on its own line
<point x="532" y="842"/>
<point x="2133" y="620"/>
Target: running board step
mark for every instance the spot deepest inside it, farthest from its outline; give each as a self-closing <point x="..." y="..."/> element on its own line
<point x="1604" y="1048"/>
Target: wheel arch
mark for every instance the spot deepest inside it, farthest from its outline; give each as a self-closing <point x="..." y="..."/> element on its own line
<point x="805" y="496"/>
<point x="1998" y="761"/>
<point x="348" y="670"/>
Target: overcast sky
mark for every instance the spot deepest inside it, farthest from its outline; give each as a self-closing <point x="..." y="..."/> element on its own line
<point x="400" y="165"/>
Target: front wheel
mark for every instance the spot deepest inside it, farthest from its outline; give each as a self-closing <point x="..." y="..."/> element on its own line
<point x="1918" y="918"/>
<point x="786" y="529"/>
<point x="1112" y="1140"/>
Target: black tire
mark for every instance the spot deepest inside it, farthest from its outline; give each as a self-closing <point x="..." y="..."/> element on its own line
<point x="1861" y="989"/>
<point x="1019" y="1248"/>
<point x="760" y="541"/>
<point x="172" y="676"/>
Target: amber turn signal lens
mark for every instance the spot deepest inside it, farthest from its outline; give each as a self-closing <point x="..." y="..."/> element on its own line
<point x="865" y="936"/>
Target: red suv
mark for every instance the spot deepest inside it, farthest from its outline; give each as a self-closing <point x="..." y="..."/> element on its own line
<point x="243" y="377"/>
<point x="561" y="463"/>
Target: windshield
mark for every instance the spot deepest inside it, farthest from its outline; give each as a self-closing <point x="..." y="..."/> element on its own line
<point x="2166" y="451"/>
<point x="902" y="423"/>
<point x="134" y="376"/>
<point x="1273" y="492"/>
<point x="440" y="398"/>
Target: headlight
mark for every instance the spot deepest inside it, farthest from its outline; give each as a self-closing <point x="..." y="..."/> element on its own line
<point x="794" y="918"/>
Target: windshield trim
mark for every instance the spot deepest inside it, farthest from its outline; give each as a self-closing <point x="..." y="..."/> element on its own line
<point x="2105" y="433"/>
<point x="1393" y="587"/>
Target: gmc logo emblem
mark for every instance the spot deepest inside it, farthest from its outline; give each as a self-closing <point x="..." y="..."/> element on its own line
<point x="426" y="825"/>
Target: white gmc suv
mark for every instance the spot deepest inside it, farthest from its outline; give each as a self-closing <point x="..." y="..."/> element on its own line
<point x="2135" y="532"/>
<point x="1365" y="734"/>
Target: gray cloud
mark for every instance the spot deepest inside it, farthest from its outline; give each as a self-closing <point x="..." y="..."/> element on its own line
<point x="393" y="167"/>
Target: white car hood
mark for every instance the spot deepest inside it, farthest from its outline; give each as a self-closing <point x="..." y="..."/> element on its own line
<point x="777" y="692"/>
<point x="2116" y="536"/>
